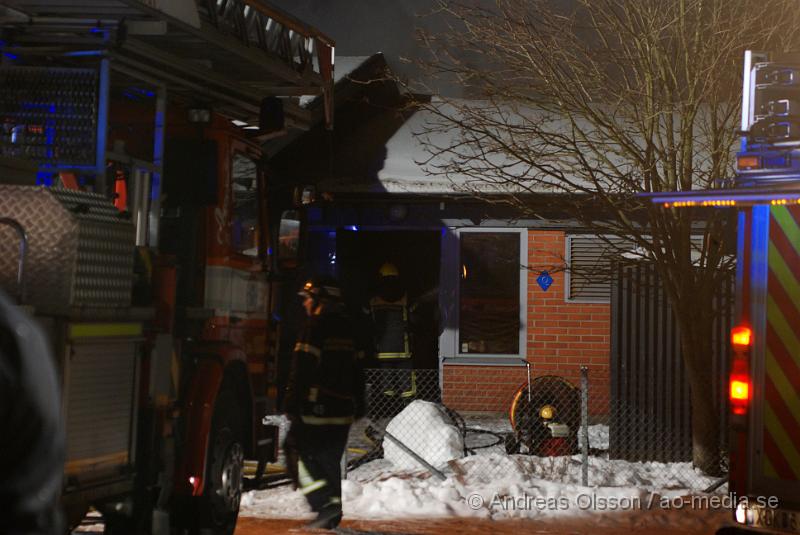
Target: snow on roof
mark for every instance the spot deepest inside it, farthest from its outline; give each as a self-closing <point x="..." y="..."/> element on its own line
<point x="413" y="164"/>
<point x="344" y="66"/>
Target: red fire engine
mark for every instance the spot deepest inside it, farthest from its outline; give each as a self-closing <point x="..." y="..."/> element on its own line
<point x="764" y="385"/>
<point x="132" y="179"/>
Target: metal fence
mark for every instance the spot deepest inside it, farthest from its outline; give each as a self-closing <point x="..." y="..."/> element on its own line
<point x="557" y="431"/>
<point x="650" y="394"/>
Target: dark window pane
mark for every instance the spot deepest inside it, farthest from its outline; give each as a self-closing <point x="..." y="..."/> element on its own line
<point x="489" y="298"/>
<point x="244" y="224"/>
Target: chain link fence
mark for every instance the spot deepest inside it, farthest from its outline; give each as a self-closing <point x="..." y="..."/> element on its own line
<point x="581" y="432"/>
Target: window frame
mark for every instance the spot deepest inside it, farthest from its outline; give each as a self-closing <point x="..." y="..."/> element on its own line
<point x="456" y="356"/>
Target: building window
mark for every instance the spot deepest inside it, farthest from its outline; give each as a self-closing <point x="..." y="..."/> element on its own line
<point x="244" y="220"/>
<point x="491" y="286"/>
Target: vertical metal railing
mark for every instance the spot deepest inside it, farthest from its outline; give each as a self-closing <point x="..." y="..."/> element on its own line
<point x="584" y="426"/>
<point x="649" y="382"/>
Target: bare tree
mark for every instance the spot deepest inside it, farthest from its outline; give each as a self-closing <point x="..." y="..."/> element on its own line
<point x="604" y="100"/>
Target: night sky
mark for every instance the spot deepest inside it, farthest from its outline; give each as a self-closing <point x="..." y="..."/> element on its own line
<point x="364" y="27"/>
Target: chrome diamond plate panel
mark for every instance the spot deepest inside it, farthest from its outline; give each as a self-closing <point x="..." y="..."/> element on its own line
<point x="80" y="251"/>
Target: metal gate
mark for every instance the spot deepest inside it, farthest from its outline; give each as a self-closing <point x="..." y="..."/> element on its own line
<point x="650" y="412"/>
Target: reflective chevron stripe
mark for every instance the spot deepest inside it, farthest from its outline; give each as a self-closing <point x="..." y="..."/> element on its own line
<point x="782" y="362"/>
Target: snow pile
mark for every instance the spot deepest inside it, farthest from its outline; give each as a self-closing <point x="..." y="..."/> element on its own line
<point x="650" y="475"/>
<point x="501" y="486"/>
<point x="424" y="428"/>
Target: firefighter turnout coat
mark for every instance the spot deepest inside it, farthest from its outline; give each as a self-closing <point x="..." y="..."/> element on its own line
<point x="326" y="385"/>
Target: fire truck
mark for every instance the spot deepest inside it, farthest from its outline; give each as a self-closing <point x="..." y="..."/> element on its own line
<point x="764" y="384"/>
<point x="139" y="228"/>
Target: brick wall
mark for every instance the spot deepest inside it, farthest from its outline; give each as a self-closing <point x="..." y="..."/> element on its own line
<point x="562" y="336"/>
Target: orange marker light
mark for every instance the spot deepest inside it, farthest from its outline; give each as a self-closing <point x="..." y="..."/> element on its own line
<point x="748" y="162"/>
<point x="741" y="336"/>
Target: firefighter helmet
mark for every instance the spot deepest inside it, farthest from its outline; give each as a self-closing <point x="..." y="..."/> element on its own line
<point x="389" y="270"/>
<point x="321" y="288"/>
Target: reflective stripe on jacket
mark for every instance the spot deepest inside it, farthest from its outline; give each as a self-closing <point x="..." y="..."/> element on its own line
<point x="325" y="385"/>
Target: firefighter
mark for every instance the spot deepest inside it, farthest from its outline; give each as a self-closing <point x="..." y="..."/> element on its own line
<point x="390" y="313"/>
<point x="31" y="431"/>
<point x="324" y="395"/>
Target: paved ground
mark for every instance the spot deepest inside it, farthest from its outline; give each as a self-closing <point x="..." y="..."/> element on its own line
<point x="652" y="526"/>
<point x="658" y="526"/>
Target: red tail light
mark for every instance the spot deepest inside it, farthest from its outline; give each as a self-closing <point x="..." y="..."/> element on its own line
<point x="740" y="389"/>
<point x="741" y="337"/>
<point x="740" y="386"/>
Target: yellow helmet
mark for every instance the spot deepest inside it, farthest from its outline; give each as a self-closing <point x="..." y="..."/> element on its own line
<point x="389" y="270"/>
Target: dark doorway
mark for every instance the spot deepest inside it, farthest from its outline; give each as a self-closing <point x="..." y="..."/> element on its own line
<point x="416" y="254"/>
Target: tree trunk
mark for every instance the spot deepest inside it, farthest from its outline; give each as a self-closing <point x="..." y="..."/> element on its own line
<point x="696" y="347"/>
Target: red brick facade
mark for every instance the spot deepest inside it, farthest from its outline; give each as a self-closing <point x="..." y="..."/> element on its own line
<point x="562" y="336"/>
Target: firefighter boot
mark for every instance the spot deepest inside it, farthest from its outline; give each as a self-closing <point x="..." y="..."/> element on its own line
<point x="328" y="518"/>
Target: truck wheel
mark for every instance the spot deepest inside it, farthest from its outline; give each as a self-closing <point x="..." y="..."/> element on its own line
<point x="224" y="471"/>
<point x="216" y="511"/>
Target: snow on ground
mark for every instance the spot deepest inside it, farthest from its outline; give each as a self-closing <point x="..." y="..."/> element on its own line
<point x="494" y="485"/>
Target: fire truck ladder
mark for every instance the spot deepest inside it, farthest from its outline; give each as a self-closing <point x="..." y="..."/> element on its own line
<point x="232" y="52"/>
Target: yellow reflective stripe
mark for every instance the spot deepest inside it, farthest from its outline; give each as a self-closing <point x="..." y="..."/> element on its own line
<point x="308" y="348"/>
<point x="103" y="330"/>
<point x="394" y="355"/>
<point x="783" y="441"/>
<point x="326" y="420"/>
<point x="413" y="391"/>
<point x="303" y="475"/>
<point x="316" y="485"/>
<point x="307" y="483"/>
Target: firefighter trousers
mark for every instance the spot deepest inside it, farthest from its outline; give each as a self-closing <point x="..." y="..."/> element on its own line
<point x="319" y="471"/>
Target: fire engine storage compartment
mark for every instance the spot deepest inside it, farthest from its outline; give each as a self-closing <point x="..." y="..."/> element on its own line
<point x="78" y="276"/>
